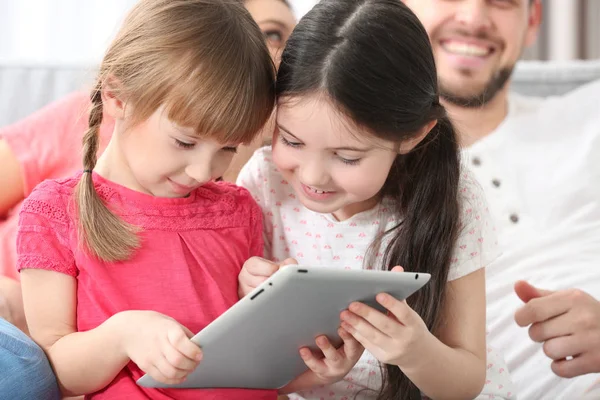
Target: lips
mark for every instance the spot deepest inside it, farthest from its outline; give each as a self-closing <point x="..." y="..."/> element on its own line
<point x="182" y="189"/>
<point x="316" y="193"/>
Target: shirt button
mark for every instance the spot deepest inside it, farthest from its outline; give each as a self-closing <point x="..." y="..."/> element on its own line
<point x="496" y="183"/>
<point x="476" y="161"/>
<point x="514" y="218"/>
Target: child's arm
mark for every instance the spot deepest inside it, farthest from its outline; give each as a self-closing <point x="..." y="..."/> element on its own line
<point x="85" y="362"/>
<point x="82" y="361"/>
<point x="454" y="366"/>
<point x="451" y="367"/>
<point x="11" y="179"/>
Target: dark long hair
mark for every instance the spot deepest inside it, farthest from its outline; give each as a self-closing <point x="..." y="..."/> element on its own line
<point x="374" y="61"/>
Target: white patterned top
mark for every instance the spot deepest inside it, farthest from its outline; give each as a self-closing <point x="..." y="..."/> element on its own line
<point x="313" y="239"/>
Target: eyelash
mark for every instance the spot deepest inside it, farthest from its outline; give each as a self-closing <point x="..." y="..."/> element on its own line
<point x="184" y="145"/>
<point x="295" y="145"/>
<point x="349" y="162"/>
<point x="288" y="143"/>
<point x="188" y="146"/>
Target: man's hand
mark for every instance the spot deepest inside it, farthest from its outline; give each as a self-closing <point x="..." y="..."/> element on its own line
<point x="567" y="322"/>
<point x="255" y="271"/>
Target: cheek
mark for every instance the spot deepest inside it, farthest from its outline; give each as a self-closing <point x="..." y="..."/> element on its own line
<point x="367" y="180"/>
<point x="428" y="15"/>
<point x="284" y="158"/>
<point x="363" y="185"/>
<point x="222" y="163"/>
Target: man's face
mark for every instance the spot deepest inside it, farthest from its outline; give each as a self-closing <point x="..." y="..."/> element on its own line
<point x="477" y="43"/>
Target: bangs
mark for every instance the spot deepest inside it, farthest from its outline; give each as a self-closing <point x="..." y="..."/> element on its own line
<point x="229" y="104"/>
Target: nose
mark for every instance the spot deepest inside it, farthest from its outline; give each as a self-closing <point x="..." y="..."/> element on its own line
<point x="314" y="173"/>
<point x="201" y="171"/>
<point x="474" y="14"/>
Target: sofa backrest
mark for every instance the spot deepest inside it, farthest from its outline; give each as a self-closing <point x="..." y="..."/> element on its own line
<point x="25" y="89"/>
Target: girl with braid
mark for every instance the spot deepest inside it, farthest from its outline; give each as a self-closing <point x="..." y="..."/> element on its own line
<point x="123" y="261"/>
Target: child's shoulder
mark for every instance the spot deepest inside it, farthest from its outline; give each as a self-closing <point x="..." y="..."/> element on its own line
<point x="471" y="192"/>
<point x="262" y="160"/>
<point x="224" y="201"/>
<point x="51" y="197"/>
<point x="54" y="189"/>
<point x="260" y="170"/>
<point x="228" y="191"/>
<point x="264" y="181"/>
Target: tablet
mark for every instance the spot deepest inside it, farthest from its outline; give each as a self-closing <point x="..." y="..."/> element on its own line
<point x="255" y="343"/>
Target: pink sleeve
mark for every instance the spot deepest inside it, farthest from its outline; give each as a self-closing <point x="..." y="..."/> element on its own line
<point x="43" y="233"/>
<point x="47" y="139"/>
<point x="256" y="230"/>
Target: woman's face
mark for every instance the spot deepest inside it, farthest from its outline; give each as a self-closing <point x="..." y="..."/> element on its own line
<point x="276" y="20"/>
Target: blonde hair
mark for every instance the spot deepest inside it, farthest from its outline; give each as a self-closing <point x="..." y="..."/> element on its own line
<point x="206" y="62"/>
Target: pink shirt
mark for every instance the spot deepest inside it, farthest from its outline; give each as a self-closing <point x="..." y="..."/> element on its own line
<point x="187" y="268"/>
<point x="47" y="145"/>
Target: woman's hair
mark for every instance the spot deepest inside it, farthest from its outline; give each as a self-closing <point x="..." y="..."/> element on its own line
<point x="286" y="2"/>
<point x="374" y="62"/>
<point x="204" y="61"/>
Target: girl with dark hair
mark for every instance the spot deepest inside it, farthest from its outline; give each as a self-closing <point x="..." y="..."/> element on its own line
<point x="364" y="172"/>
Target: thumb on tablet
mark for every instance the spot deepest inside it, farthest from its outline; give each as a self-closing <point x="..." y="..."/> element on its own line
<point x="288" y="261"/>
<point x="398" y="269"/>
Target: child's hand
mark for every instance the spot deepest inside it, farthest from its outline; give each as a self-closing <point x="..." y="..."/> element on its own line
<point x="394" y="338"/>
<point x="329" y="367"/>
<point x="334" y="364"/>
<point x="160" y="346"/>
<point x="255" y="271"/>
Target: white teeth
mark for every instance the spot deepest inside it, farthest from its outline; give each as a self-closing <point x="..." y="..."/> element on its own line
<point x="465" y="49"/>
<point x="317" y="191"/>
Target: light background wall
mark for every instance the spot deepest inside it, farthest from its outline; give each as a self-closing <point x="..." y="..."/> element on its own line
<point x="73" y="32"/>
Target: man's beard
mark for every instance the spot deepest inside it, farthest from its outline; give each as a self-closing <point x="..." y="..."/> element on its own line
<point x="495" y="84"/>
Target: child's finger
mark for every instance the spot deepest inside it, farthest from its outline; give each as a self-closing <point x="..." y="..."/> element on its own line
<point x="289" y="261"/>
<point x="370" y="316"/>
<point x="158" y="376"/>
<point x="398" y="269"/>
<point x="252" y="281"/>
<point x="328" y="350"/>
<point x="262" y="267"/>
<point x="179" y="340"/>
<point x="169" y="371"/>
<point x="352" y="347"/>
<point x="313" y="363"/>
<point x="178" y="360"/>
<point x="400" y="309"/>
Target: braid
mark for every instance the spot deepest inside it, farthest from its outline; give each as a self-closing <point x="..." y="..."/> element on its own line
<point x="104" y="234"/>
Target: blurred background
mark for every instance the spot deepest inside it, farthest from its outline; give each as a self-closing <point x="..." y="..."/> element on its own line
<point x="49" y="48"/>
<point x="76" y="32"/>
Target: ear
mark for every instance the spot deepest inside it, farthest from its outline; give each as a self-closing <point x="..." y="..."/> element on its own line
<point x="410" y="144"/>
<point x="534" y="21"/>
<point x="112" y="100"/>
